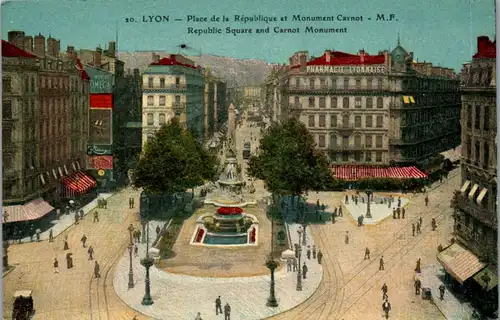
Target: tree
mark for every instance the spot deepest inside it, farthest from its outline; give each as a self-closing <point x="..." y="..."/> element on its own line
<point x="173" y="161"/>
<point x="288" y="162"/>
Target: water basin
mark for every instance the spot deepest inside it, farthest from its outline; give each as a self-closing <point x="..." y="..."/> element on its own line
<point x="225" y="239"/>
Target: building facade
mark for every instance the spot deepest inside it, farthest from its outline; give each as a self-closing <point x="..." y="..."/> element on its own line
<point x="57" y="110"/>
<point x="215" y="102"/>
<point x="370" y="109"/>
<point x="476" y="211"/>
<point x="172" y="87"/>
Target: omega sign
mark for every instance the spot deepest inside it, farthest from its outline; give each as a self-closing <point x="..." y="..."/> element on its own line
<point x="346" y="69"/>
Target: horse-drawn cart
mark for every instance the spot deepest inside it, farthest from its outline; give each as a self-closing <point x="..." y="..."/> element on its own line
<point x="23" y="305"/>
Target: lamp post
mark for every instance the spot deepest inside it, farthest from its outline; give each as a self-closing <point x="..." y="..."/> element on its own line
<point x="130" y="230"/>
<point x="143" y="223"/>
<point x="299" y="232"/>
<point x="272" y="265"/>
<point x="304" y="225"/>
<point x="130" y="272"/>
<point x="5" y="253"/>
<point x="368" y="211"/>
<point x="147" y="262"/>
<point x="299" y="274"/>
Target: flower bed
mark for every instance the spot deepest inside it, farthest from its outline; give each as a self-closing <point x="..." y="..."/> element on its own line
<point x="228" y="211"/>
<point x="199" y="235"/>
<point x="252" y="235"/>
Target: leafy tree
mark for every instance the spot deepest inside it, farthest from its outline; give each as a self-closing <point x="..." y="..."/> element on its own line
<point x="288" y="162"/>
<point x="173" y="161"/>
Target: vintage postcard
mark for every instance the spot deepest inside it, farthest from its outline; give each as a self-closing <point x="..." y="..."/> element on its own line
<point x="243" y="160"/>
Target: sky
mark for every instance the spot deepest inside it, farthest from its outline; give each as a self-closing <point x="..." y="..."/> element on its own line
<point x="443" y="32"/>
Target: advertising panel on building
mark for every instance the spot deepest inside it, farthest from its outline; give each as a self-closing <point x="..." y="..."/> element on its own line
<point x="100" y="81"/>
<point x="100" y="162"/>
<point x="100" y="131"/>
<point x="101" y="101"/>
<point x="99" y="150"/>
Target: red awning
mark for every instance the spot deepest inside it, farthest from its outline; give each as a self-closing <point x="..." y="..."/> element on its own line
<point x="78" y="182"/>
<point x="347" y="172"/>
<point x="32" y="210"/>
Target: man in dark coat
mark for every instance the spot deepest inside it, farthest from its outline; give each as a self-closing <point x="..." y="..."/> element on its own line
<point x="418" y="285"/>
<point x="314" y="251"/>
<point x="158" y="229"/>
<point x="97" y="270"/>
<point x="346" y="239"/>
<point x="394" y="213"/>
<point x="96" y="216"/>
<point x="367" y="254"/>
<point x="417" y="268"/>
<point x="304" y="271"/>
<point x="320" y="256"/>
<point x="84" y="240"/>
<point x="413" y="229"/>
<point x="381" y="264"/>
<point x="341" y="214"/>
<point x="426" y="200"/>
<point x="386" y="306"/>
<point x="441" y="291"/>
<point x="384" y="292"/>
<point x="227" y="312"/>
<point x="51" y="236"/>
<point x="418" y="228"/>
<point x="308" y="252"/>
<point x="403" y="212"/>
<point x="218" y="306"/>
<point x="90" y="251"/>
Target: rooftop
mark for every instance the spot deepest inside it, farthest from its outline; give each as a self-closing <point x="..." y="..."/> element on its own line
<point x="172" y="61"/>
<point x="486" y="49"/>
<point x="11" y="51"/>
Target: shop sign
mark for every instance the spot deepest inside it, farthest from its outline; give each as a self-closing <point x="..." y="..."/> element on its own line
<point x="99" y="150"/>
<point x="347" y="69"/>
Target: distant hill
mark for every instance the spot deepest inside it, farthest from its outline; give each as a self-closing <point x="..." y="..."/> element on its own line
<point x="236" y="73"/>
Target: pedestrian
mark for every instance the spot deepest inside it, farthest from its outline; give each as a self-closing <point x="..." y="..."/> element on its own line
<point x="346" y="199"/>
<point x="403" y="211"/>
<point x="51" y="236"/>
<point x="130" y="203"/>
<point x="418" y="285"/>
<point x="341" y="214"/>
<point x="58" y="213"/>
<point x="417" y="268"/>
<point x="418" y="228"/>
<point x="158" y="229"/>
<point x="66" y="246"/>
<point x="398" y="212"/>
<point x="426" y="200"/>
<point x="394" y="213"/>
<point x="381" y="264"/>
<point x="320" y="256"/>
<point x="133" y="204"/>
<point x="198" y="317"/>
<point x="420" y="220"/>
<point x="386" y="306"/>
<point x="218" y="306"/>
<point x="76" y="217"/>
<point x="399" y="202"/>
<point x="308" y="252"/>
<point x="97" y="270"/>
<point x="227" y="312"/>
<point x="136" y="251"/>
<point x="289" y="265"/>
<point x="384" y="292"/>
<point x="441" y="291"/>
<point x="32" y="232"/>
<point x="105" y="202"/>
<point x="296" y="246"/>
<point x="347" y="237"/>
<point x="304" y="271"/>
<point x="96" y="216"/>
<point x="56" y="266"/>
<point x="433" y="224"/>
<point x="90" y="251"/>
<point x="335" y="211"/>
<point x="314" y="251"/>
<point x="413" y="229"/>
<point x="84" y="240"/>
<point x="367" y="254"/>
<point x="139" y="236"/>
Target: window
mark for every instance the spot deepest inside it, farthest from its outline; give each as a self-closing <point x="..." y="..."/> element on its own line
<point x="7" y="109"/>
<point x="345" y="102"/>
<point x="369" y="102"/>
<point x="311" y="102"/>
<point x="322" y="84"/>
<point x="334" y="83"/>
<point x="369" y="84"/>
<point x="26" y="84"/>
<point x="357" y="121"/>
<point x="177" y="81"/>
<point x="345" y="156"/>
<point x="322" y="102"/>
<point x="162" y="100"/>
<point x="150" y="119"/>
<point x="322" y="121"/>
<point x="369" y="121"/>
<point x="333" y="121"/>
<point x="345" y="141"/>
<point x="7" y="84"/>
<point x="477" y="117"/>
<point x="380" y="84"/>
<point x="345" y="121"/>
<point x="380" y="122"/>
<point x="311" y="83"/>
<point x="6" y="136"/>
<point x="151" y="100"/>
<point x="378" y="156"/>
<point x="177" y="99"/>
<point x="150" y="136"/>
<point x="378" y="141"/>
<point x="296" y="102"/>
<point x="32" y="108"/>
<point x="368" y="141"/>
<point x="346" y="83"/>
<point x="311" y="121"/>
<point x="368" y="156"/>
<point x="150" y="82"/>
<point x="357" y="141"/>
<point x="162" y="82"/>
<point x="33" y="84"/>
<point x="161" y="119"/>
<point x="321" y="141"/>
<point x="358" y="84"/>
<point x="333" y="102"/>
<point x="357" y="102"/>
<point x="357" y="156"/>
<point x="380" y="102"/>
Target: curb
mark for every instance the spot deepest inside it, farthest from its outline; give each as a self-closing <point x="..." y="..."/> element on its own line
<point x="8" y="271"/>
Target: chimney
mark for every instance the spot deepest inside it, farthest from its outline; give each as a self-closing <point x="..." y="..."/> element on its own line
<point x="328" y="55"/>
<point x="155" y="58"/>
<point x="28" y="43"/>
<point x="57" y="48"/>
<point x="16" y="38"/>
<point x="112" y="49"/>
<point x="97" y="57"/>
<point x="39" y="44"/>
<point x="52" y="47"/>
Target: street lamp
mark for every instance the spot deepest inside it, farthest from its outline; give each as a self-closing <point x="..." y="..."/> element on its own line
<point x="130" y="272"/>
<point x="368" y="211"/>
<point x="147" y="262"/>
<point x="143" y="223"/>
<point x="130" y="230"/>
<point x="299" y="231"/>
<point x="299" y="277"/>
<point x="272" y="265"/>
<point x="304" y="225"/>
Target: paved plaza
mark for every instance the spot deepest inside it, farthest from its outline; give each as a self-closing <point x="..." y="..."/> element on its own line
<point x="379" y="211"/>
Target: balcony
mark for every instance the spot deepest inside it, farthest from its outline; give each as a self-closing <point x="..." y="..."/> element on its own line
<point x="180" y="86"/>
<point x="346" y="127"/>
<point x="480" y="213"/>
<point x="347" y="147"/>
<point x="178" y="105"/>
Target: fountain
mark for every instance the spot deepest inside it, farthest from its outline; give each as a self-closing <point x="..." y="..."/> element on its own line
<point x="230" y="225"/>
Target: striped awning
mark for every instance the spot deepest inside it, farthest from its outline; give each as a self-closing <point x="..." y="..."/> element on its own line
<point x="460" y="262"/>
<point x="32" y="210"/>
<point x="77" y="183"/>
<point x="347" y="172"/>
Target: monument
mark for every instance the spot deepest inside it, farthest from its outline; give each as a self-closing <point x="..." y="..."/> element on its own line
<point x="231" y="127"/>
